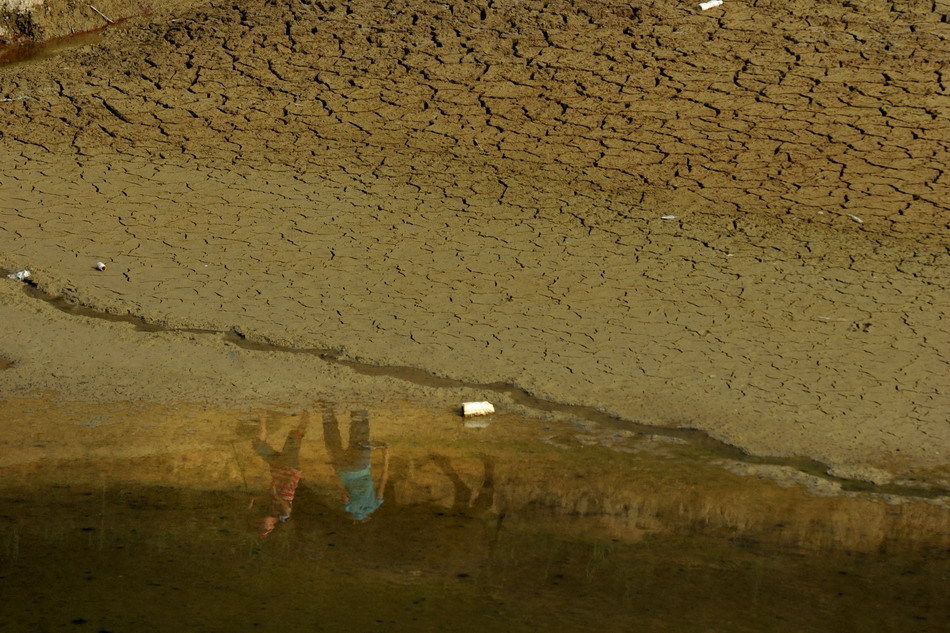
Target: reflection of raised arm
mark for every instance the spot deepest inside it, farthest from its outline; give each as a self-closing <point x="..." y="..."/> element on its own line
<point x="304" y="422"/>
<point x="385" y="477"/>
<point x="262" y="427"/>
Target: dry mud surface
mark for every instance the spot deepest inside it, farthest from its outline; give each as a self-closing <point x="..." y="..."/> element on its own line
<point x="478" y="189"/>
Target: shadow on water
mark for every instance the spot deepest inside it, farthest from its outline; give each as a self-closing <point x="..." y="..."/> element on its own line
<point x="127" y="517"/>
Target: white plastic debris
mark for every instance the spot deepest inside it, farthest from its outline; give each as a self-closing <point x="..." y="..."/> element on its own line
<point x="711" y="4"/>
<point x="667" y="217"/>
<point x="100" y="266"/>
<point x="22" y="275"/>
<point x="477" y="408"/>
<point x="856" y="218"/>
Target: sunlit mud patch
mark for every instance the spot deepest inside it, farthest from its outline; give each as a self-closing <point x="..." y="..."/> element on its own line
<point x="134" y="517"/>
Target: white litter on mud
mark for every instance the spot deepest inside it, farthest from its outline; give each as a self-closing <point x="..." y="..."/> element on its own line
<point x="477" y="408"/>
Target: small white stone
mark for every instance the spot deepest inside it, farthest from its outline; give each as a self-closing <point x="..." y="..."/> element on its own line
<point x="710" y="4"/>
<point x="22" y="275"/>
<point x="667" y="217"/>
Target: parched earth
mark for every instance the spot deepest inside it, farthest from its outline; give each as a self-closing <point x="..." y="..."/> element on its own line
<point x="733" y="219"/>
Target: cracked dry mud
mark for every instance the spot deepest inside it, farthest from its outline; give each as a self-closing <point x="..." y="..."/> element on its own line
<point x="477" y="189"/>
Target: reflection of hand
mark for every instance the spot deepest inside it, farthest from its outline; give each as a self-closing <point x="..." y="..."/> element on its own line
<point x="346" y="497"/>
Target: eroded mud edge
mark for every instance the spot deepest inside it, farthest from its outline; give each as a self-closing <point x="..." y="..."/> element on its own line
<point x="697" y="438"/>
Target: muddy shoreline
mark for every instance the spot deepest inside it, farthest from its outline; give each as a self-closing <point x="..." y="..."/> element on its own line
<point x="788" y="470"/>
<point x="383" y="384"/>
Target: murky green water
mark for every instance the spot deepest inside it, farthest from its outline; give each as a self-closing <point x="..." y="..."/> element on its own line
<point x="133" y="518"/>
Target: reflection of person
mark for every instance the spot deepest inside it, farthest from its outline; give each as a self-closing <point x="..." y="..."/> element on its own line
<point x="463" y="502"/>
<point x="353" y="464"/>
<point x="285" y="473"/>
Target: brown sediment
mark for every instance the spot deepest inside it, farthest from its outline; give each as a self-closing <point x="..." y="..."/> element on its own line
<point x="478" y="192"/>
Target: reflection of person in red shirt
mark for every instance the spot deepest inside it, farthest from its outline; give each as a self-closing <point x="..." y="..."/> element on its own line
<point x="285" y="473"/>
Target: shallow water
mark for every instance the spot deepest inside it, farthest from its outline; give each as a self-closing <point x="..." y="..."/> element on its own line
<point x="34" y="52"/>
<point x="127" y="517"/>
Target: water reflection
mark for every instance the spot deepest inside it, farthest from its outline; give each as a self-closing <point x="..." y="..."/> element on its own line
<point x="353" y="464"/>
<point x="513" y="527"/>
<point x="462" y="501"/>
<point x="284" y="471"/>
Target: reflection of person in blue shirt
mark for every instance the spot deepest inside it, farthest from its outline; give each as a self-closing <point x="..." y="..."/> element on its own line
<point x="353" y="464"/>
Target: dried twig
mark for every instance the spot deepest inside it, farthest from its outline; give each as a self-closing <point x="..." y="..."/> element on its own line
<point x="104" y="16"/>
